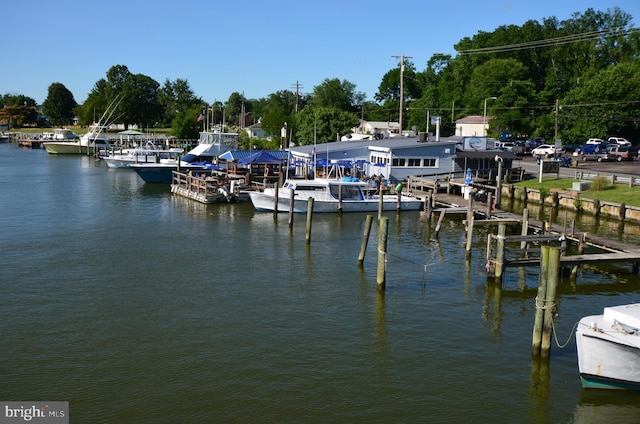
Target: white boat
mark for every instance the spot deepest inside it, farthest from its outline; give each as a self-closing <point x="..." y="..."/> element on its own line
<point x="329" y="195"/>
<point x="150" y="153"/>
<point x="202" y="157"/>
<point x="608" y="347"/>
<point x="92" y="141"/>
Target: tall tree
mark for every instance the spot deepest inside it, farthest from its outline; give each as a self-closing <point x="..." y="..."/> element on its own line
<point x="59" y="105"/>
<point x="333" y="93"/>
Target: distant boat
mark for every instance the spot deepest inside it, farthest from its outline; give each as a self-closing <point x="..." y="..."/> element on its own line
<point x="150" y="153"/>
<point x="202" y="157"/>
<point x="93" y="140"/>
<point x="4" y="138"/>
<point x="608" y="347"/>
<point x="330" y="195"/>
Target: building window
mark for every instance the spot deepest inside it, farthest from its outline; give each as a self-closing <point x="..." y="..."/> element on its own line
<point x="399" y="162"/>
<point x="414" y="162"/>
<point x="430" y="162"/>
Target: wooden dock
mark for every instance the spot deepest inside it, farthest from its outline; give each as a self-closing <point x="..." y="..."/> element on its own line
<point x="210" y="187"/>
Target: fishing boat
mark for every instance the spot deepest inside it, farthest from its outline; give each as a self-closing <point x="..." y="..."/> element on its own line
<point x="149" y="153"/>
<point x="202" y="157"/>
<point x="92" y="141"/>
<point x="608" y="347"/>
<point x="95" y="140"/>
<point x="345" y="194"/>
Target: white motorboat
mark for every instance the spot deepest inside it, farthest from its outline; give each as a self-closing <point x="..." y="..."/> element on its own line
<point x="608" y="348"/>
<point x="330" y="195"/>
<point x="149" y="153"/>
<point x="92" y="141"/>
<point x="202" y="157"/>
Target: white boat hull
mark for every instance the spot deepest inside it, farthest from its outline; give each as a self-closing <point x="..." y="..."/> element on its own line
<point x="65" y="148"/>
<point x="609" y="357"/>
<point x="265" y="201"/>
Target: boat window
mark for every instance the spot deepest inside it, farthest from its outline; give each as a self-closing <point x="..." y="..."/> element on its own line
<point x="348" y="192"/>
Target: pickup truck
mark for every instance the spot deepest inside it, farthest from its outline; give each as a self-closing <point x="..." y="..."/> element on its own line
<point x="621" y="153"/>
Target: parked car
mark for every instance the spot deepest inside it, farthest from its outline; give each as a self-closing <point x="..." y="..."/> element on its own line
<point x="592" y="148"/>
<point x="570" y="148"/>
<point x="544" y="150"/>
<point x="619" y="140"/>
<point x="594" y="140"/>
<point x="534" y="142"/>
<point x="519" y="148"/>
<point x="598" y="156"/>
<point x="623" y="152"/>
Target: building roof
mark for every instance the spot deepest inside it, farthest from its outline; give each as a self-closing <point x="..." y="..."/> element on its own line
<point x="471" y="119"/>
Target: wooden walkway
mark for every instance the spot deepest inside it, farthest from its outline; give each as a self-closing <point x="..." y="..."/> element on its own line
<point x="525" y="255"/>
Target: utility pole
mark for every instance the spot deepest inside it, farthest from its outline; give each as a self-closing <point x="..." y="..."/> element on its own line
<point x="402" y="58"/>
<point x="297" y="86"/>
<point x="556" y="129"/>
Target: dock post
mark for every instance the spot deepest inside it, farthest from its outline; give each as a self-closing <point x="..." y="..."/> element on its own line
<point x="489" y="204"/>
<point x="309" y="219"/>
<point x="525" y="227"/>
<point x="291" y="204"/>
<point x="540" y="300"/>
<point x="442" y="213"/>
<point x="275" y="200"/>
<point x="382" y="252"/>
<point x="365" y="240"/>
<point x="502" y="231"/>
<point x="380" y="203"/>
<point x="581" y="239"/>
<point x="549" y="306"/>
<point x="469" y="236"/>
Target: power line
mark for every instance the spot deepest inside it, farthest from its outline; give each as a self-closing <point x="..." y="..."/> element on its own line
<point x="557" y="41"/>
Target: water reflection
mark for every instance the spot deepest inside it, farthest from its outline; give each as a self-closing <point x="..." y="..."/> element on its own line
<point x="607" y="406"/>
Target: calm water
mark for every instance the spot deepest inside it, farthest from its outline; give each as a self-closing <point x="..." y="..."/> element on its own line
<point x="137" y="306"/>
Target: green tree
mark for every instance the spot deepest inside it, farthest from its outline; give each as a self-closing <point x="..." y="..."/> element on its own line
<point x="59" y="105"/>
<point x="602" y="105"/>
<point x="175" y="97"/>
<point x="323" y="124"/>
<point x="185" y="124"/>
<point x="18" y="110"/>
<point x="333" y="93"/>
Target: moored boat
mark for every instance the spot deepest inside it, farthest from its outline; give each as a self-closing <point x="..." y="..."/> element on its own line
<point x="608" y="347"/>
<point x="92" y="141"/>
<point x="202" y="157"/>
<point x="329" y="195"/>
<point x="149" y="153"/>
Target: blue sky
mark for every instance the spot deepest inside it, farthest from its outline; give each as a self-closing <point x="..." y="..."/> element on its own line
<point x="251" y="47"/>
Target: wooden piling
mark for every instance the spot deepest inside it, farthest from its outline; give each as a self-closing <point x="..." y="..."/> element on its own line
<point x="275" y="200"/>
<point x="489" y="204"/>
<point x="380" y="203"/>
<point x="525" y="227"/>
<point x="382" y="252"/>
<point x="365" y="240"/>
<point x="553" y="271"/>
<point x="442" y="213"/>
<point x="540" y="301"/>
<point x="291" y="205"/>
<point x="502" y="232"/>
<point x="469" y="236"/>
<point x="309" y="219"/>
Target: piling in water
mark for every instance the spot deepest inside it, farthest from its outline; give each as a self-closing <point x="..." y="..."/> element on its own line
<point x="309" y="219"/>
<point x="382" y="252"/>
<point x="365" y="240"/>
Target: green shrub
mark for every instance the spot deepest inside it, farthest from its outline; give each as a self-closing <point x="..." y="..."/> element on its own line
<point x="601" y="183"/>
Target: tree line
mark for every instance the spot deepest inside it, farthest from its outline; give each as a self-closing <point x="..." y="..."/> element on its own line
<point x="570" y="79"/>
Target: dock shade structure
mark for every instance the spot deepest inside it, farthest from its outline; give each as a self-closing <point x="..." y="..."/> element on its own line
<point x="484" y="160"/>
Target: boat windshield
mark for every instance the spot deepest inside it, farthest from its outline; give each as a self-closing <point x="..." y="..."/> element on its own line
<point x="346" y="192"/>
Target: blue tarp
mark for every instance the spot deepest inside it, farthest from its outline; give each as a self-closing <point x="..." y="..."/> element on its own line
<point x="260" y="156"/>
